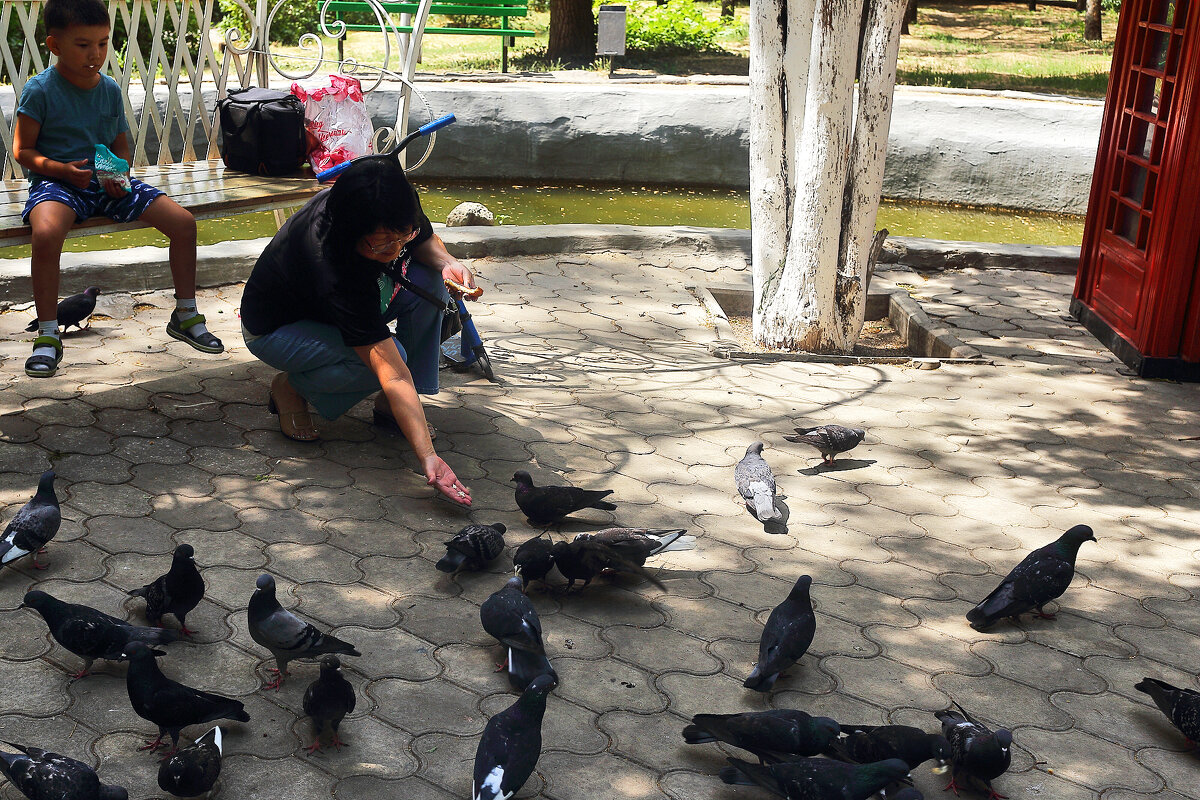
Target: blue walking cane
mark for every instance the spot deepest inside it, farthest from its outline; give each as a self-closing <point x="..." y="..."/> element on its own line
<point x="424" y="130"/>
<point x="470" y="347"/>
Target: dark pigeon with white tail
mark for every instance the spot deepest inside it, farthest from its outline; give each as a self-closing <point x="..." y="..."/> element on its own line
<point x="508" y="616"/>
<point x="829" y="440"/>
<point x="34" y="525"/>
<point x="41" y="775"/>
<point x="177" y="592"/>
<point x="473" y="548"/>
<point x="1042" y="576"/>
<point x="1182" y="706"/>
<point x="756" y="484"/>
<point x="976" y="751"/>
<point x="74" y="310"/>
<point x="91" y="634"/>
<point x="785" y="638"/>
<point x="288" y="637"/>
<point x="511" y="744"/>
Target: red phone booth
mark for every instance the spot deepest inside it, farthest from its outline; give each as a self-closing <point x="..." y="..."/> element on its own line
<point x="1138" y="288"/>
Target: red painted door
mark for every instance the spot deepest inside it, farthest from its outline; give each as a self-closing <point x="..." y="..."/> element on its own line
<point x="1138" y="262"/>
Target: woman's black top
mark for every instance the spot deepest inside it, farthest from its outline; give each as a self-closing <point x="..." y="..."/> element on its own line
<point x="294" y="279"/>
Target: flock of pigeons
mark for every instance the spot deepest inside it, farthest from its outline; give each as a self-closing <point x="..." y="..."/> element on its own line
<point x="800" y="757"/>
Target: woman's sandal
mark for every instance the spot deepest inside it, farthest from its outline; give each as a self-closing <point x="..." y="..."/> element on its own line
<point x="289" y="425"/>
<point x="43" y="366"/>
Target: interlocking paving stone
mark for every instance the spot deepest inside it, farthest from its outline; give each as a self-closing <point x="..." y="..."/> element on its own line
<point x="964" y="470"/>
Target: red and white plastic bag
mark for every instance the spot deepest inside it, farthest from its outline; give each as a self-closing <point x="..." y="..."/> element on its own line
<point x="337" y="122"/>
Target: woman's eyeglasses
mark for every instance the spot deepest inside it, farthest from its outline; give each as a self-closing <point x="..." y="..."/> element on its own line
<point x="393" y="245"/>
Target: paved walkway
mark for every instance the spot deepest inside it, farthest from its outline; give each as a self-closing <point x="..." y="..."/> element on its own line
<point x="604" y="380"/>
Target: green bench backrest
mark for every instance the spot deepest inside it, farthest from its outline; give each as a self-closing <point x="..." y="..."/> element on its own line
<point x="484" y="8"/>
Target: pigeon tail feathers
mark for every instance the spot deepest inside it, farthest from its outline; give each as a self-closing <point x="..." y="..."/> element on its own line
<point x="760" y="682"/>
<point x="451" y="561"/>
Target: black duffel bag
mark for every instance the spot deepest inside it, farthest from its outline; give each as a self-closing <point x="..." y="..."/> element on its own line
<point x="262" y="131"/>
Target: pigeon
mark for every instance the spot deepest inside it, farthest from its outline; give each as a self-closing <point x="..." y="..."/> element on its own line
<point x="34" y="525"/>
<point x="638" y="544"/>
<point x="775" y="735"/>
<point x="91" y="634"/>
<point x="975" y="750"/>
<point x="74" y="310"/>
<point x="534" y="560"/>
<point x="907" y="793"/>
<point x="171" y="705"/>
<point x="829" y="439"/>
<point x="546" y="505"/>
<point x="756" y="484"/>
<point x="283" y="633"/>
<point x="1182" y="706"/>
<point x="817" y="778"/>
<point x="1041" y="576"/>
<point x="192" y="771"/>
<point x="866" y="743"/>
<point x="786" y="637"/>
<point x="509" y="617"/>
<point x="177" y="592"/>
<point x="473" y="548"/>
<point x="584" y="559"/>
<point x="511" y="744"/>
<point x="41" y="775"/>
<point x="327" y="700"/>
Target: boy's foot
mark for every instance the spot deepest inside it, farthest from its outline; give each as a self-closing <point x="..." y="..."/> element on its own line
<point x="47" y="352"/>
<point x="184" y="331"/>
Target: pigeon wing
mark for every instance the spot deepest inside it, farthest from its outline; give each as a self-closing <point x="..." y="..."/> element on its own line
<point x="597" y="556"/>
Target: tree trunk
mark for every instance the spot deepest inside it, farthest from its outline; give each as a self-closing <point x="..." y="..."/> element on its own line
<point x="1081" y="6"/>
<point x="572" y="32"/>
<point x="815" y="174"/>
<point x="727" y="9"/>
<point x="1033" y="5"/>
<point x="910" y="15"/>
<point x="1091" y="21"/>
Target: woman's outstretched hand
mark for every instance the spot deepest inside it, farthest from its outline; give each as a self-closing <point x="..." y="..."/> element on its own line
<point x="441" y="477"/>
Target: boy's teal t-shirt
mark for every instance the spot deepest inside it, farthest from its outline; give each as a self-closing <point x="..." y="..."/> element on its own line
<point x="73" y="120"/>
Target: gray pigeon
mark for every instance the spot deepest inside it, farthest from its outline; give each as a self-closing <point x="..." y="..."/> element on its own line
<point x="785" y="638"/>
<point x="192" y="771"/>
<point x="288" y="637"/>
<point x="1041" y="576"/>
<point x="638" y="544"/>
<point x="473" y="548"/>
<point x="34" y="525"/>
<point x="817" y="778"/>
<point x="327" y="701"/>
<point x="756" y="484"/>
<point x="91" y="634"/>
<point x="508" y="616"/>
<point x="511" y="745"/>
<point x="1182" y="706"/>
<point x="829" y="439"/>
<point x="41" y="775"/>
<point x="976" y="751"/>
<point x="74" y="310"/>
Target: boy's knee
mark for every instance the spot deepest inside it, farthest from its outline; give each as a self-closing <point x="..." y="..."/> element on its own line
<point x="47" y="238"/>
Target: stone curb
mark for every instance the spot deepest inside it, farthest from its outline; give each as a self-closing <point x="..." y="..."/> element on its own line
<point x="142" y="269"/>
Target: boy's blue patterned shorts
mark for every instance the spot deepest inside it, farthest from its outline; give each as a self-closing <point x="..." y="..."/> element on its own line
<point x="92" y="200"/>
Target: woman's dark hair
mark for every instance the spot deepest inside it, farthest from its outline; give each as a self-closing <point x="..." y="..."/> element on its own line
<point x="62" y="14"/>
<point x="371" y="194"/>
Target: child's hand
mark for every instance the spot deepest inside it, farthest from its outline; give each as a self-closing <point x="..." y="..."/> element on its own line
<point x="114" y="188"/>
<point x="76" y="175"/>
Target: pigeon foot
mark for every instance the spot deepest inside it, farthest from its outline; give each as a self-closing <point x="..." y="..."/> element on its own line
<point x="952" y="786"/>
<point x="82" y="673"/>
<point x="994" y="795"/>
<point x="503" y="665"/>
<point x="314" y="747"/>
<point x="1044" y="615"/>
<point x="188" y="633"/>
<point x="36" y="565"/>
<point x="279" y="676"/>
<point x="153" y="745"/>
<point x="337" y="742"/>
<point x="172" y="751"/>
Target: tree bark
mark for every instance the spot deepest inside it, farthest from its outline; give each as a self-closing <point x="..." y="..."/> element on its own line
<point x="727" y="9"/>
<point x="572" y="32"/>
<point x="1091" y="21"/>
<point x="815" y="173"/>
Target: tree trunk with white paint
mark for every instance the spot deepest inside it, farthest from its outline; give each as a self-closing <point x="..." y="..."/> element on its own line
<point x="815" y="170"/>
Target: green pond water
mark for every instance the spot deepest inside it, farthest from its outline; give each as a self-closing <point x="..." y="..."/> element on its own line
<point x="706" y="208"/>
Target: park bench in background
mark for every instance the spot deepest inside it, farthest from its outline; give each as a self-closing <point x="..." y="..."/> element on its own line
<point x="410" y="18"/>
<point x="172" y="74"/>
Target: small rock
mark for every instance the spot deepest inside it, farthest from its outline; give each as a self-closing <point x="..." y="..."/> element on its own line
<point x="469" y="214"/>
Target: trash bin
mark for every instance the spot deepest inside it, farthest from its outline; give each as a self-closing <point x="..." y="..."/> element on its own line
<point x="610" y="31"/>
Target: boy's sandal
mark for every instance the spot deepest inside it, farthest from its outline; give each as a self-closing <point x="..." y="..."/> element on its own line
<point x="204" y="342"/>
<point x="43" y="366"/>
<point x="293" y="423"/>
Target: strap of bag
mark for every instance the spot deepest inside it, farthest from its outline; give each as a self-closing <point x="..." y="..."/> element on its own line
<point x="429" y="297"/>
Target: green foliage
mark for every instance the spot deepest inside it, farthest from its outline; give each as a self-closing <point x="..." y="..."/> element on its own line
<point x="677" y="27"/>
<point x="1110" y="6"/>
<point x="292" y="20"/>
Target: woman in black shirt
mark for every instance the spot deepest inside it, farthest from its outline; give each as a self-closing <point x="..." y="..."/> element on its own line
<point x="317" y="304"/>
